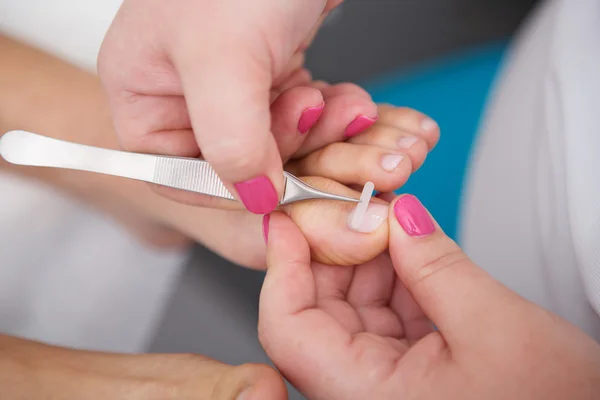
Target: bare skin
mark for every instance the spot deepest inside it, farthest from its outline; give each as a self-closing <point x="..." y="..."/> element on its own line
<point x="367" y="331"/>
<point x="223" y="79"/>
<point x="69" y="104"/>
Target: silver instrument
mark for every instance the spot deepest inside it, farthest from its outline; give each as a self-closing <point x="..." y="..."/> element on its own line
<point x="190" y="174"/>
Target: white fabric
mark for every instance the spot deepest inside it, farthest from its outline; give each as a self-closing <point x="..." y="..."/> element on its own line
<point x="579" y="69"/>
<point x="70" y="29"/>
<point x="531" y="214"/>
<point x="67" y="275"/>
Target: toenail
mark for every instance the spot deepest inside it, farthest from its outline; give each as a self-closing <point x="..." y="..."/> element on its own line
<point x="375" y="215"/>
<point x="390" y="162"/>
<point x="407" y="142"/>
<point x="428" y="124"/>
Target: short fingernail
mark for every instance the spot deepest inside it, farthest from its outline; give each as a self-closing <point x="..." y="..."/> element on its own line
<point x="413" y="217"/>
<point x="265" y="227"/>
<point x="359" y="124"/>
<point x="428" y="125"/>
<point x="258" y="195"/>
<point x="407" y="142"/>
<point x="244" y="394"/>
<point x="390" y="162"/>
<point x="375" y="216"/>
<point x="309" y="118"/>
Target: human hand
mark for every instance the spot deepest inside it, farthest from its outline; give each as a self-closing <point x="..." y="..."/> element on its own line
<point x="365" y="332"/>
<point x="75" y="109"/>
<point x="225" y="80"/>
<point x="31" y="370"/>
<point x="397" y="137"/>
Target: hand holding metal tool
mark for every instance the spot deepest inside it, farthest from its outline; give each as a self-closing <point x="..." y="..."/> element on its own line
<point x="190" y="174"/>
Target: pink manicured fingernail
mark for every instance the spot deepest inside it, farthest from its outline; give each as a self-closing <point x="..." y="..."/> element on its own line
<point x="265" y="226"/>
<point x="258" y="195"/>
<point x="413" y="217"/>
<point x="359" y="124"/>
<point x="309" y="118"/>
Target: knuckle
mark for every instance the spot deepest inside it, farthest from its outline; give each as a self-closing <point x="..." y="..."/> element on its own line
<point x="234" y="154"/>
<point x="324" y="157"/>
<point x="347" y="87"/>
<point x="384" y="133"/>
<point x="332" y="152"/>
<point x="400" y="115"/>
<point x="435" y="266"/>
<point x="354" y="104"/>
<point x="365" y="160"/>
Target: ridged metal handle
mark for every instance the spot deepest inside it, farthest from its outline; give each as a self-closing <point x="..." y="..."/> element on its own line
<point x="190" y="174"/>
<point x="26" y="148"/>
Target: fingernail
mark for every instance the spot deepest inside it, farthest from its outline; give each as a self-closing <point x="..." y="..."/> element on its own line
<point x="390" y="162"/>
<point x="265" y="227"/>
<point x="413" y="217"/>
<point x="359" y="124"/>
<point x="407" y="142"/>
<point x="428" y="125"/>
<point x="309" y="118"/>
<point x="375" y="216"/>
<point x="244" y="394"/>
<point x="258" y="195"/>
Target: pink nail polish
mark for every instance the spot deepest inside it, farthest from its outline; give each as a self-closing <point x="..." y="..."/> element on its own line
<point x="359" y="124"/>
<point x="265" y="227"/>
<point x="309" y="118"/>
<point x="413" y="217"/>
<point x="258" y="195"/>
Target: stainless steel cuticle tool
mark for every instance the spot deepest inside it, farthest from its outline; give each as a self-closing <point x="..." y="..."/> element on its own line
<point x="190" y="174"/>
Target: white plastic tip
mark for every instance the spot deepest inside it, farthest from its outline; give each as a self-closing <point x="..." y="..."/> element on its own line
<point x="361" y="208"/>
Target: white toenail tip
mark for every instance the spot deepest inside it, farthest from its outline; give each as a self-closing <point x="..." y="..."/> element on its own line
<point x="361" y="209"/>
<point x="428" y="124"/>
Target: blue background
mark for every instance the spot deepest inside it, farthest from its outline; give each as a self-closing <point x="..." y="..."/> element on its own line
<point x="453" y="91"/>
